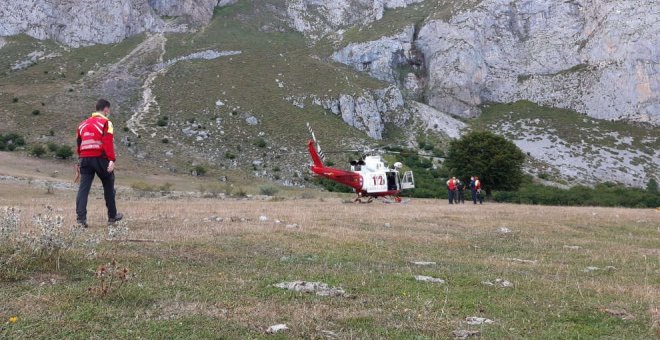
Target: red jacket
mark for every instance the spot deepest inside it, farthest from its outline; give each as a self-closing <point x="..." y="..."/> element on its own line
<point x="95" y="137"/>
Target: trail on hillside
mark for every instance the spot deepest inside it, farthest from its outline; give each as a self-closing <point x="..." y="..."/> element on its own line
<point x="148" y="98"/>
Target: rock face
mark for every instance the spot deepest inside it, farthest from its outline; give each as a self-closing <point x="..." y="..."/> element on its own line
<point x="379" y="58"/>
<point x="370" y="110"/>
<point x="80" y="22"/>
<point x="318" y="18"/>
<point x="196" y="12"/>
<point x="593" y="56"/>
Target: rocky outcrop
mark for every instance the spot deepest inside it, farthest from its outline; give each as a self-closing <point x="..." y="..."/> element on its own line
<point x="195" y="12"/>
<point x="436" y="121"/>
<point x="381" y="57"/>
<point x="368" y="111"/>
<point x="318" y="18"/>
<point x="593" y="56"/>
<point x="79" y="22"/>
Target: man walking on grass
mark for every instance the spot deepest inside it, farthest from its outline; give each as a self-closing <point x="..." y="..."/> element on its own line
<point x="96" y="152"/>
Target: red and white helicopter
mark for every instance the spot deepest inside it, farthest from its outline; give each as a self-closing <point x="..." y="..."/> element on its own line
<point x="370" y="177"/>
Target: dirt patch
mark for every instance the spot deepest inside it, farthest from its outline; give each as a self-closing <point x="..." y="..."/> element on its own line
<point x="619" y="313"/>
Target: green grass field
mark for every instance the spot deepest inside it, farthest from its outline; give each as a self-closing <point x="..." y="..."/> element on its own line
<point x="207" y="279"/>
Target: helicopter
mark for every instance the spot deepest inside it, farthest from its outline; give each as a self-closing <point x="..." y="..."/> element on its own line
<point x="369" y="177"/>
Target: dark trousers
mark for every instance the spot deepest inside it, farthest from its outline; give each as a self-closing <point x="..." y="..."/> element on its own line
<point x="451" y="194"/>
<point x="89" y="167"/>
<point x="461" y="197"/>
<point x="474" y="196"/>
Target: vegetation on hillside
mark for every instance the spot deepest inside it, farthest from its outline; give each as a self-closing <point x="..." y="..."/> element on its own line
<point x="496" y="161"/>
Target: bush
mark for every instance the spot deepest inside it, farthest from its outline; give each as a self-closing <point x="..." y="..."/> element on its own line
<point x="199" y="170"/>
<point x="35" y="112"/>
<point x="260" y="143"/>
<point x="143" y="186"/>
<point x="38" y="150"/>
<point x="64" y="152"/>
<point x="52" y="147"/>
<point x="14" y="100"/>
<point x="162" y="121"/>
<point x="164" y="140"/>
<point x="229" y="155"/>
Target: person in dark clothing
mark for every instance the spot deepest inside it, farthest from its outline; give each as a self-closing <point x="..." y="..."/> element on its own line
<point x="473" y="190"/>
<point x="95" y="140"/>
<point x="460" y="190"/>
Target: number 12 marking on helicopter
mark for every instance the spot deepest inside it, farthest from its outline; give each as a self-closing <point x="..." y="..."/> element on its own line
<point x="379" y="180"/>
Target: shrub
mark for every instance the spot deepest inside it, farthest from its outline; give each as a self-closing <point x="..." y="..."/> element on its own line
<point x="161" y="121"/>
<point x="14" y="100"/>
<point x="166" y="187"/>
<point x="38" y="150"/>
<point x="51" y="237"/>
<point x="109" y="278"/>
<point x="268" y="190"/>
<point x="51" y="132"/>
<point x="143" y="186"/>
<point x="35" y="112"/>
<point x="199" y="170"/>
<point x="229" y="155"/>
<point x="52" y="147"/>
<point x="164" y="140"/>
<point x="260" y="143"/>
<point x="64" y="152"/>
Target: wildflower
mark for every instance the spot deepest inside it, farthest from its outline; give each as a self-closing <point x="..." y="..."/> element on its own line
<point x="13" y="319"/>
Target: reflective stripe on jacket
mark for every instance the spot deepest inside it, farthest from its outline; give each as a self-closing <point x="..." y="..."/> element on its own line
<point x="95" y="137"/>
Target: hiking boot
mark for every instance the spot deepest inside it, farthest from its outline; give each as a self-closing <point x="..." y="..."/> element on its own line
<point x="117" y="218"/>
<point x="82" y="223"/>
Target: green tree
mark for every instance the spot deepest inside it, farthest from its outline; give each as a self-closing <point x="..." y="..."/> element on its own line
<point x="652" y="186"/>
<point x="496" y="161"/>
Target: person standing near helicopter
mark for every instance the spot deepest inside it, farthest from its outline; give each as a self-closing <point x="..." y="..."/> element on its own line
<point x="451" y="190"/>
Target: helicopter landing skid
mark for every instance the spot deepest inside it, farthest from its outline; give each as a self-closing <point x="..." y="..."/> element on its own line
<point x="361" y="199"/>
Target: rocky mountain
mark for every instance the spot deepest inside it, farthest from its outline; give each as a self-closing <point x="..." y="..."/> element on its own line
<point x="81" y="23"/>
<point x="414" y="69"/>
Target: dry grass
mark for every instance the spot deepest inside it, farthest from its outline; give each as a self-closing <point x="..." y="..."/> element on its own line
<point x="215" y="277"/>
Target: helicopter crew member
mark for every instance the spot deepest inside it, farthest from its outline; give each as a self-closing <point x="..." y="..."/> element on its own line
<point x="96" y="152"/>
<point x="460" y="189"/>
<point x="475" y="188"/>
<point x="451" y="189"/>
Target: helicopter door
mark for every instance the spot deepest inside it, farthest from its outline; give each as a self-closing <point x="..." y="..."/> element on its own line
<point x="408" y="180"/>
<point x="392" y="181"/>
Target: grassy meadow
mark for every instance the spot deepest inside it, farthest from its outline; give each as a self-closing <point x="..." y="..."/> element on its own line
<point x="205" y="268"/>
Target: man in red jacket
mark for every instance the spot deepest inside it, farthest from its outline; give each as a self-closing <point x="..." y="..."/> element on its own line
<point x="96" y="152"/>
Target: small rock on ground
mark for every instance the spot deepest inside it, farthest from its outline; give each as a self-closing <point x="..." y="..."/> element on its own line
<point x="572" y="247"/>
<point x="522" y="261"/>
<point x="463" y="334"/>
<point x="620" y="313"/>
<point x="319" y="288"/>
<point x="280" y="327"/>
<point x="499" y="282"/>
<point x="475" y="320"/>
<point x="423" y="263"/>
<point x="428" y="279"/>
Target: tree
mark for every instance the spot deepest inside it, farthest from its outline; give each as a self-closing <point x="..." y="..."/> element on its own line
<point x="496" y="161"/>
<point x="652" y="186"/>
